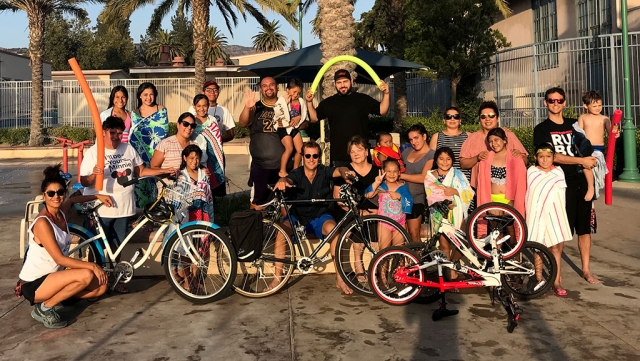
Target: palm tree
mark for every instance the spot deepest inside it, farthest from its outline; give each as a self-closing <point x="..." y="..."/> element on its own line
<point x="214" y="49"/>
<point x="270" y="38"/>
<point x="163" y="37"/>
<point x="117" y="10"/>
<point x="37" y="12"/>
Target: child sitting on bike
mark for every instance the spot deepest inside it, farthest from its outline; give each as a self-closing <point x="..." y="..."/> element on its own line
<point x="446" y="182"/>
<point x="394" y="201"/>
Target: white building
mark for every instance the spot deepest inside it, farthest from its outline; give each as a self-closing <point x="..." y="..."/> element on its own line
<point x="18" y="67"/>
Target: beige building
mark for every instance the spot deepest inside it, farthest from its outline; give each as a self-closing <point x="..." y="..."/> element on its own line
<point x="104" y="75"/>
<point x="18" y="67"/>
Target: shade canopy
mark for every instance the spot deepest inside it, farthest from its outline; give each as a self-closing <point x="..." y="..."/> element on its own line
<point x="305" y="64"/>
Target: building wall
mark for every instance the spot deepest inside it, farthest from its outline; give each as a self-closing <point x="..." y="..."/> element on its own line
<point x="254" y="58"/>
<point x="17" y="67"/>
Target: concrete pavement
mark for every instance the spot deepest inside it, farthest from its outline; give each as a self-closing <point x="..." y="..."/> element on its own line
<point x="311" y="320"/>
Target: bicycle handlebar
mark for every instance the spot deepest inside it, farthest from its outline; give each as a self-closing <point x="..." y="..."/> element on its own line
<point x="154" y="177"/>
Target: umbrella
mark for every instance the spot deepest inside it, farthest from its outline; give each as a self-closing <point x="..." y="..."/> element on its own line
<point x="305" y="64"/>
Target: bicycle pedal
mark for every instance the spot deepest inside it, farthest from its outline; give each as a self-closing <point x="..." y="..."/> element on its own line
<point x="136" y="255"/>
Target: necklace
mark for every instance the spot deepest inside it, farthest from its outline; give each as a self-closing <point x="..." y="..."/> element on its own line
<point x="267" y="105"/>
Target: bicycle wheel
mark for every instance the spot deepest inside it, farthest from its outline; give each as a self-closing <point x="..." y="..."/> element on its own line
<point x="91" y="252"/>
<point x="357" y="246"/>
<point x="496" y="217"/>
<point x="206" y="281"/>
<point x="533" y="256"/>
<point x="264" y="277"/>
<point x="383" y="267"/>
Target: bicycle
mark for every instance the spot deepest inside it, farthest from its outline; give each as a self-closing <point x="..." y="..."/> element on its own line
<point x="399" y="274"/>
<point x="193" y="247"/>
<point x="359" y="239"/>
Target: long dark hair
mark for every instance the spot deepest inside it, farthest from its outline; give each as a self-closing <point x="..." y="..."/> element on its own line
<point x="441" y="150"/>
<point x="198" y="98"/>
<point x="144" y="86"/>
<point x="117" y="88"/>
<point x="52" y="175"/>
<point x="191" y="148"/>
<point x="497" y="132"/>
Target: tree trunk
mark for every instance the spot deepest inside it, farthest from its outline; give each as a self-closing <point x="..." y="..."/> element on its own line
<point x="36" y="53"/>
<point x="336" y="36"/>
<point x="395" y="19"/>
<point x="200" y="9"/>
<point x="454" y="91"/>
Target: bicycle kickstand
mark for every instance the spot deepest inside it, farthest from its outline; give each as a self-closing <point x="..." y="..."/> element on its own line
<point x="512" y="308"/>
<point x="443" y="311"/>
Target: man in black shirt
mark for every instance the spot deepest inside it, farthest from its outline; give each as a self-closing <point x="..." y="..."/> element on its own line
<point x="348" y="114"/>
<point x="264" y="144"/>
<point x="558" y="131"/>
<point x="313" y="181"/>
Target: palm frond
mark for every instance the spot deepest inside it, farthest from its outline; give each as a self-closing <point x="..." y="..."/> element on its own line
<point x="159" y="13"/>
<point x="503" y="7"/>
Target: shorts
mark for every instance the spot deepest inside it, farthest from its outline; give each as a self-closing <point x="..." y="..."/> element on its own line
<point x="29" y="288"/>
<point x="259" y="178"/>
<point x="578" y="210"/>
<point x="282" y="132"/>
<point x="499" y="198"/>
<point x="417" y="211"/>
<point x="315" y="225"/>
<point x="115" y="229"/>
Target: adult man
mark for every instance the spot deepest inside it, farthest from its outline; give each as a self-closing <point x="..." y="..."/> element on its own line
<point x="348" y="114"/>
<point x="313" y="181"/>
<point x="558" y="131"/>
<point x="222" y="115"/>
<point x="264" y="144"/>
<point x="121" y="164"/>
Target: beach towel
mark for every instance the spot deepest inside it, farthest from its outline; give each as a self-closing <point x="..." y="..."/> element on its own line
<point x="281" y="110"/>
<point x="435" y="193"/>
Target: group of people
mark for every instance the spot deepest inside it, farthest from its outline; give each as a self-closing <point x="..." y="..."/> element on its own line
<point x="489" y="165"/>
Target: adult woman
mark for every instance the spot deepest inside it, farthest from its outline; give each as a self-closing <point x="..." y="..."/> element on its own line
<point x="117" y="103"/>
<point x="451" y="137"/>
<point x="168" y="153"/>
<point x="207" y="127"/>
<point x="49" y="276"/>
<point x="476" y="148"/>
<point x="418" y="161"/>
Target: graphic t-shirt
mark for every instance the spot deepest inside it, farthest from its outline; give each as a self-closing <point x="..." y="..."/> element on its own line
<point x="265" y="146"/>
<point x="119" y="167"/>
<point x="561" y="137"/>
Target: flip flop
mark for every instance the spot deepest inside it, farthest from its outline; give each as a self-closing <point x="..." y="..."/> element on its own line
<point x="560" y="292"/>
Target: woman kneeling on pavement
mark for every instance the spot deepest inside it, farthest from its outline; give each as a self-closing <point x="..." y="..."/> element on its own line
<point x="49" y="276"/>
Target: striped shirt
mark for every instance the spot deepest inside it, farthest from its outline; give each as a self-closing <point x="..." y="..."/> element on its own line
<point x="455" y="143"/>
<point x="172" y="152"/>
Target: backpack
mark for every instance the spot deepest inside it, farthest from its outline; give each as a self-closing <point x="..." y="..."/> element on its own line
<point x="245" y="229"/>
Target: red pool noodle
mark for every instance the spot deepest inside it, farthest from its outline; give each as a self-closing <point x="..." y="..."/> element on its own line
<point x="611" y="148"/>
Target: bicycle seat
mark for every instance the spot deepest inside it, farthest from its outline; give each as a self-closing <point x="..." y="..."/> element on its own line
<point x="507" y="220"/>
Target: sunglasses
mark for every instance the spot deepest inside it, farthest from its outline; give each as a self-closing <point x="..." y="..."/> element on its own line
<point x="211" y="90"/>
<point x="452" y="116"/>
<point x="188" y="124"/>
<point x="59" y="192"/>
<point x="552" y="101"/>
<point x="485" y="116"/>
<point x="315" y="156"/>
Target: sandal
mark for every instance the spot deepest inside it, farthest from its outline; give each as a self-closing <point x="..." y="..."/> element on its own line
<point x="560" y="292"/>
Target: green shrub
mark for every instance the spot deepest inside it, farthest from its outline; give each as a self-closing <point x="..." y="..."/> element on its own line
<point x="75" y="134"/>
<point x="173" y="128"/>
<point x="240" y="132"/>
<point x="14" y="136"/>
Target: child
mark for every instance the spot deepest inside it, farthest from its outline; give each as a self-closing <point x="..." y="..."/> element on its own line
<point x="394" y="201"/>
<point x="446" y="182"/>
<point x="545" y="203"/>
<point x="594" y="125"/>
<point x="292" y="111"/>
<point x="385" y="149"/>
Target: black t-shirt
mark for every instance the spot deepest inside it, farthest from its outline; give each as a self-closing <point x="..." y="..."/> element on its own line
<point x="319" y="189"/>
<point x="561" y="137"/>
<point x="364" y="181"/>
<point x="265" y="145"/>
<point x="348" y="115"/>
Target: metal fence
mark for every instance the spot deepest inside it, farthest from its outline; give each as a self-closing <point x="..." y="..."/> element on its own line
<point x="64" y="103"/>
<point x="517" y="78"/>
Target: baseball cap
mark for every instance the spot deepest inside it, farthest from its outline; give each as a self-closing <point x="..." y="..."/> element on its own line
<point x="342" y="73"/>
<point x="209" y="83"/>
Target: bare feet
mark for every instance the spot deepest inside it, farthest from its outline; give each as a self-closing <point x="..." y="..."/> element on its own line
<point x="343" y="286"/>
<point x="590" y="193"/>
<point x="589" y="277"/>
<point x="283" y="174"/>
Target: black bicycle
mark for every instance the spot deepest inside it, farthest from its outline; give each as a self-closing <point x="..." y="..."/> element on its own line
<point x="360" y="239"/>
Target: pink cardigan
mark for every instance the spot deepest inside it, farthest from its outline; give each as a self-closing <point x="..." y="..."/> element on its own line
<point x="516" y="181"/>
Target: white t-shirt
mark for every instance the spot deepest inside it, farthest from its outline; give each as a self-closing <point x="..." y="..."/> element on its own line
<point x="119" y="167"/>
<point x="222" y="115"/>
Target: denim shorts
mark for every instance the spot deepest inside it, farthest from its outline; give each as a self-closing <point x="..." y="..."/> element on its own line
<point x="315" y="225"/>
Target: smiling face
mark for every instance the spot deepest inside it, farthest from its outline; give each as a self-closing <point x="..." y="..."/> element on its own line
<point x="192" y="161"/>
<point x="119" y="100"/>
<point x="444" y="162"/>
<point x="496" y="143"/>
<point x="343" y="85"/>
<point x="268" y="88"/>
<point x="54" y="195"/>
<point x="545" y="159"/>
<point x="392" y="172"/>
<point x="311" y="158"/>
<point x="450" y="121"/>
<point x="294" y="92"/>
<point x="202" y="107"/>
<point x="488" y="119"/>
<point x="358" y="154"/>
<point x="112" y="138"/>
<point x="184" y="127"/>
<point x="417" y="140"/>
<point x="212" y="92"/>
<point x="595" y="107"/>
<point x="555" y="103"/>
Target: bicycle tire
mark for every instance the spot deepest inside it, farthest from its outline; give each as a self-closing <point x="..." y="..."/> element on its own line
<point x="206" y="285"/>
<point x="89" y="252"/>
<point x="477" y="226"/>
<point x="392" y="292"/>
<point x="253" y="278"/>
<point x="353" y="241"/>
<point x="525" y="287"/>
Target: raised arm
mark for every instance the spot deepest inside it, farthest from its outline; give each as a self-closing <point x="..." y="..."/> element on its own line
<point x="384" y="104"/>
<point x="249" y="109"/>
<point x="313" y="114"/>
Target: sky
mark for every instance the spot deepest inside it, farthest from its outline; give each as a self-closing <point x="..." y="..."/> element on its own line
<point x="17" y="25"/>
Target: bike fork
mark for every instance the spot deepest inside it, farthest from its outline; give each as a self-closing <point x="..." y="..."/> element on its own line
<point x="512" y="308"/>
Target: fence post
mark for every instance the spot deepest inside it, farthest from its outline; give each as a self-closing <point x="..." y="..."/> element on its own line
<point x="536" y="101"/>
<point x="614" y="85"/>
<point x="498" y="79"/>
<point x="16" y="120"/>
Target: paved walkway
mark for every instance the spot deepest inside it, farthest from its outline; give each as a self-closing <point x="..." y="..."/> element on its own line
<point x="311" y="320"/>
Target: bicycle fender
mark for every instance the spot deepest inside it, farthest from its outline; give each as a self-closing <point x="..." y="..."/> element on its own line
<point x="89" y="234"/>
<point x="165" y="252"/>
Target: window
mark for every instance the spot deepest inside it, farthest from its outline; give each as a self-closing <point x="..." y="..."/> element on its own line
<point x="594" y="17"/>
<point x="545" y="29"/>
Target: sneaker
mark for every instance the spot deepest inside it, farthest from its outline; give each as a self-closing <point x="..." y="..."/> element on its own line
<point x="49" y="318"/>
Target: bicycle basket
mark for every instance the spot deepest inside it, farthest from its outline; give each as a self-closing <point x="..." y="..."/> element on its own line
<point x="175" y="198"/>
